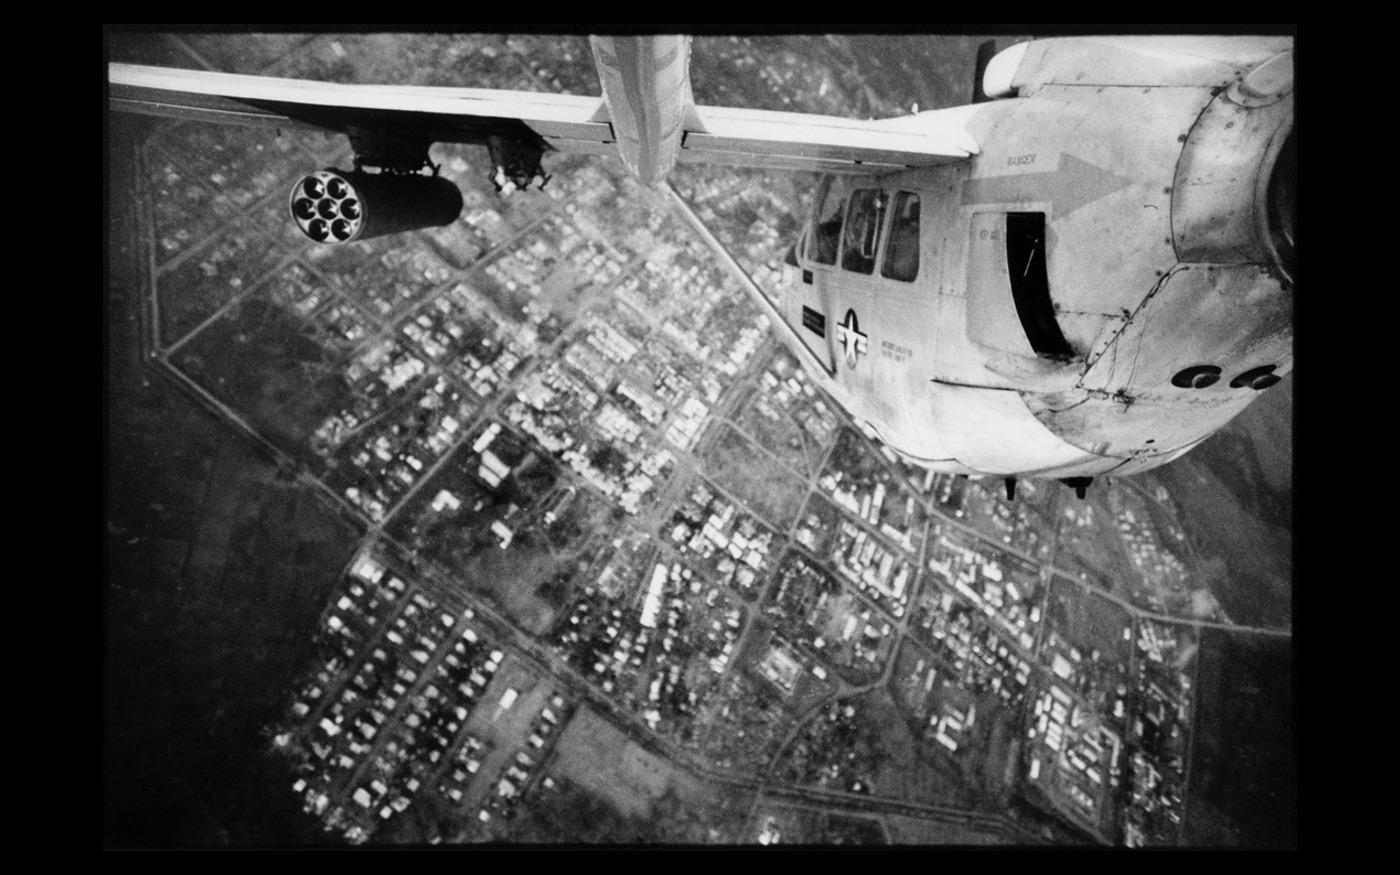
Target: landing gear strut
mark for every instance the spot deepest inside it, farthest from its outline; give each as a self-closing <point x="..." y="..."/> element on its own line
<point x="1079" y="484"/>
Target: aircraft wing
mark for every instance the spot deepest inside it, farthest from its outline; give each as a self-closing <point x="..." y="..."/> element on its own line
<point x="443" y="115"/>
<point x="646" y="115"/>
<point x="796" y="141"/>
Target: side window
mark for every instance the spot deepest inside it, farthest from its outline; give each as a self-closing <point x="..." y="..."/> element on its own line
<point x="862" y="239"/>
<point x="826" y="230"/>
<point x="902" y="252"/>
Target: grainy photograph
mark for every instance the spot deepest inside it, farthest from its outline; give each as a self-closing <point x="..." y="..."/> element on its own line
<point x="568" y="440"/>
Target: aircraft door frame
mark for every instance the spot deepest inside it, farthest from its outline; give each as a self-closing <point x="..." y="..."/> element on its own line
<point x="811" y="314"/>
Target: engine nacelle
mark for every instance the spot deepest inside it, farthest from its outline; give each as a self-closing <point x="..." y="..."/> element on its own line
<point x="342" y="206"/>
<point x="1234" y="195"/>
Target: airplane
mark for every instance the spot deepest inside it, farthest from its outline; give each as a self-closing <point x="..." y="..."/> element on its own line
<point x="1086" y="271"/>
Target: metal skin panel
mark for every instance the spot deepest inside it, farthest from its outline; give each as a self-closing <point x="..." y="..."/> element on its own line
<point x="992" y="320"/>
<point x="994" y="432"/>
<point x="1233" y="316"/>
<point x="931" y="452"/>
<point x="1139" y="464"/>
<point x="647" y="111"/>
<point x="907" y="392"/>
<point x="449" y="114"/>
<point x="805" y="164"/>
<point x="907" y="389"/>
<point x="1132" y="313"/>
<point x="1219" y="192"/>
<point x="1167" y="61"/>
<point x="887" y="386"/>
<point x="922" y="140"/>
<point x="1101" y="198"/>
<point x="1103" y="185"/>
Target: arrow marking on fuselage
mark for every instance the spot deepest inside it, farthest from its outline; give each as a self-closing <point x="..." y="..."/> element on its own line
<point x="1075" y="184"/>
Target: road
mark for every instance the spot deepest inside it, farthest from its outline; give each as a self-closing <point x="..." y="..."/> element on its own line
<point x="454" y="594"/>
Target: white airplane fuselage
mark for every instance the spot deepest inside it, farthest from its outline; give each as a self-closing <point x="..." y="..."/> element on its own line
<point x="1088" y="274"/>
<point x="1165" y="255"/>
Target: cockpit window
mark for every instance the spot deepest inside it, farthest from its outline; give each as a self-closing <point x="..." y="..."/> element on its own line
<point x="902" y="252"/>
<point x="862" y="239"/>
<point x="826" y="230"/>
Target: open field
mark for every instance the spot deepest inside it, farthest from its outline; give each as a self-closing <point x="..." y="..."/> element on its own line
<point x="747" y="472"/>
<point x="257" y="359"/>
<point x="215" y="575"/>
<point x="1243" y="788"/>
<point x="596" y="755"/>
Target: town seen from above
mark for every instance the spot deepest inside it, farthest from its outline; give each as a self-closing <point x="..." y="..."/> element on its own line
<point x="616" y="570"/>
